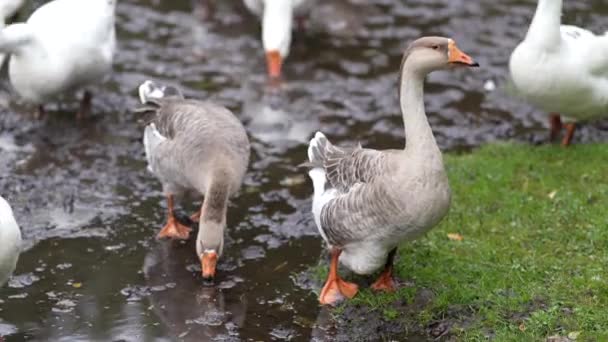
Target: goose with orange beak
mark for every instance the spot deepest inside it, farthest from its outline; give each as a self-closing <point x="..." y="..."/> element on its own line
<point x="197" y="147"/>
<point x="277" y="23"/>
<point x="366" y="202"/>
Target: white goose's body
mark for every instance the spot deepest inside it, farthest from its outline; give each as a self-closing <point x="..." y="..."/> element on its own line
<point x="562" y="69"/>
<point x="64" y="44"/>
<point x="10" y="241"/>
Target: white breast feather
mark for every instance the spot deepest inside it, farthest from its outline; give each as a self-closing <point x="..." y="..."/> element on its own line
<point x="152" y="138"/>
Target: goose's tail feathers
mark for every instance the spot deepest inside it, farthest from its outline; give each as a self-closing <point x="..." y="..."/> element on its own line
<point x="151" y="92"/>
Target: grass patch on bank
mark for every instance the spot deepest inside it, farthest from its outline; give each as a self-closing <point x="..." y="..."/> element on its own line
<point x="534" y="254"/>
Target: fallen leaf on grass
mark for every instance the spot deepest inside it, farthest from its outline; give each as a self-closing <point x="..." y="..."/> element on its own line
<point x="522" y="327"/>
<point x="455" y="237"/>
<point x="573" y="335"/>
<point x="76" y="285"/>
<point x="552" y="194"/>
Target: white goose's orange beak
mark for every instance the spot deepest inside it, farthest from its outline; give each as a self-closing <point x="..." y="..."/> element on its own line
<point x="208" y="263"/>
<point x="458" y="57"/>
<point x="274" y="62"/>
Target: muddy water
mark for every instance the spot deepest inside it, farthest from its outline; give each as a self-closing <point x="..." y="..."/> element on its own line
<point x="89" y="210"/>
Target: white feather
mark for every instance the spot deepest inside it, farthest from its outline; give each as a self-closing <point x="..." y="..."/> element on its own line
<point x="149" y="90"/>
<point x="152" y="138"/>
<point x="10" y="240"/>
<point x="321" y="196"/>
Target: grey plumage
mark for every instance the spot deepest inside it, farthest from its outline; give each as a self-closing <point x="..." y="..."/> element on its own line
<point x="367" y="201"/>
<point x="195" y="146"/>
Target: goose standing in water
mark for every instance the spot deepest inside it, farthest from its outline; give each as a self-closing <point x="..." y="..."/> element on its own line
<point x="10" y="241"/>
<point x="562" y="69"/>
<point x="277" y="20"/>
<point x="65" y="44"/>
<point x="200" y="147"/>
<point x="367" y="201"/>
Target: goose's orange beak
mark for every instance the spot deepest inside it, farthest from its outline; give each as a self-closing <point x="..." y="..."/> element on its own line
<point x="208" y="263"/>
<point x="274" y="62"/>
<point x="455" y="56"/>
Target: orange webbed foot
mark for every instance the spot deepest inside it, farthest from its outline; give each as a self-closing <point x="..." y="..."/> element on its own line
<point x="196" y="216"/>
<point x="336" y="290"/>
<point x="384" y="282"/>
<point x="174" y="230"/>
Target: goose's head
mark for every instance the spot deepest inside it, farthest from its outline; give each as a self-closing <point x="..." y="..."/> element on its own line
<point x="277" y="22"/>
<point x="435" y="53"/>
<point x="210" y="244"/>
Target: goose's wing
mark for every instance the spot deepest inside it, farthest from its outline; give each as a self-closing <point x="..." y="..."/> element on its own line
<point x="594" y="48"/>
<point x="345" y="167"/>
<point x="599" y="58"/>
<point x="349" y="193"/>
<point x="365" y="212"/>
<point x="575" y="33"/>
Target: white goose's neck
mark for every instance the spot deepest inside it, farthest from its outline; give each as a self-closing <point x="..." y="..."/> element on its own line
<point x="418" y="133"/>
<point x="277" y="23"/>
<point x="545" y="27"/>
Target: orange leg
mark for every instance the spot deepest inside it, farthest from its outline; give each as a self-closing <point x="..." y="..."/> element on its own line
<point x="85" y="105"/>
<point x="570" y="127"/>
<point x="173" y="229"/>
<point x="196" y="216"/>
<point x="555" y="123"/>
<point x="385" y="280"/>
<point x="335" y="287"/>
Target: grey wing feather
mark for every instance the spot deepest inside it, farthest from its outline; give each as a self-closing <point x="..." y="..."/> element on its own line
<point x="360" y="214"/>
<point x="346" y="167"/>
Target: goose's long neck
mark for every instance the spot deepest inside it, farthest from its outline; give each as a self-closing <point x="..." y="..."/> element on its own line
<point x="545" y="27"/>
<point x="418" y="134"/>
<point x="216" y="197"/>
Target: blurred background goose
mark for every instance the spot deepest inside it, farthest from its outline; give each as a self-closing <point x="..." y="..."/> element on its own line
<point x="65" y="44"/>
<point x="367" y="201"/>
<point x="277" y="22"/>
<point x="10" y="241"/>
<point x="195" y="146"/>
<point x="561" y="69"/>
<point x="8" y="8"/>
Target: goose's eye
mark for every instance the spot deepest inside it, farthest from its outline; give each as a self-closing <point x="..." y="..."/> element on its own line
<point x="435" y="47"/>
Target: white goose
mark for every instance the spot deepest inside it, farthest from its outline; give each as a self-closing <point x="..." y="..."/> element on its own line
<point x="367" y="201"/>
<point x="562" y="69"/>
<point x="64" y="44"/>
<point x="8" y="8"/>
<point x="277" y="20"/>
<point x="10" y="240"/>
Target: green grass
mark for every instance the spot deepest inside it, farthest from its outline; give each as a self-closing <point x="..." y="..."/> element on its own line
<point x="534" y="256"/>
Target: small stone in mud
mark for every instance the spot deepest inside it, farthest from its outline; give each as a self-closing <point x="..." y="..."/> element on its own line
<point x="253" y="252"/>
<point x="23" y="280"/>
<point x="64" y="306"/>
<point x="282" y="333"/>
<point x="64" y="266"/>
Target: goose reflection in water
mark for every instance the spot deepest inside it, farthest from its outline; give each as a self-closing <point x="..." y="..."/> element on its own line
<point x="190" y="310"/>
